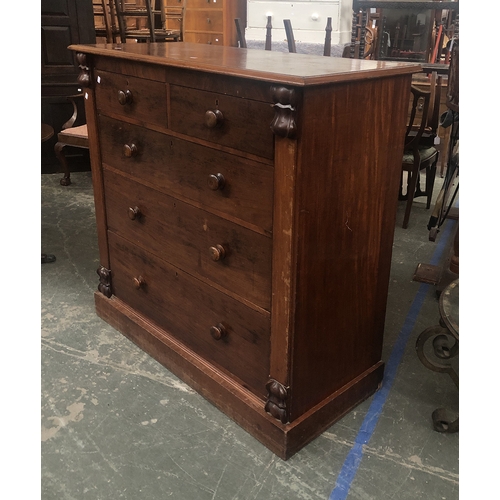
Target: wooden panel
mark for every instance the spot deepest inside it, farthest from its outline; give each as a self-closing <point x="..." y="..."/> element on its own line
<point x="345" y="232"/>
<point x="147" y="101"/>
<point x="187" y="170"/>
<point x="167" y="292"/>
<point x="184" y="236"/>
<point x="244" y="126"/>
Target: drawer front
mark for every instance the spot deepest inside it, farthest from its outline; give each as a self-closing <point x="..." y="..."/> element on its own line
<point x="192" y="239"/>
<point x="220" y="181"/>
<point x="238" y="123"/>
<point x="204" y="20"/>
<point x="207" y="38"/>
<point x="193" y="312"/>
<point x="128" y="96"/>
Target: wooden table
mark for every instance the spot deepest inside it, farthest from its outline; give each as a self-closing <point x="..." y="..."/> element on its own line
<point x="245" y="204"/>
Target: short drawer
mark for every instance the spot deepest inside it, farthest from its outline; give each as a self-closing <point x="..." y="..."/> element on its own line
<point x="204" y="20"/>
<point x="222" y="182"/>
<point x="227" y="254"/>
<point x="129" y="96"/>
<point x="239" y="123"/>
<point x="220" y="329"/>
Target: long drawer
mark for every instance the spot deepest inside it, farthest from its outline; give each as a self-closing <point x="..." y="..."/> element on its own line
<point x="236" y="186"/>
<point x="129" y="96"/>
<point x="217" y="327"/>
<point x="192" y="239"/>
<point x="242" y="124"/>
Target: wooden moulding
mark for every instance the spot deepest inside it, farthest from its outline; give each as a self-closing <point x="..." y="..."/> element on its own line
<point x="246" y="409"/>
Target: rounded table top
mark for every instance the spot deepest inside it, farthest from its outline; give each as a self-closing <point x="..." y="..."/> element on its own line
<point x="47" y="132"/>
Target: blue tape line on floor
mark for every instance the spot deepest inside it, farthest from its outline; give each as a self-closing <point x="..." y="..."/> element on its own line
<point x="353" y="459"/>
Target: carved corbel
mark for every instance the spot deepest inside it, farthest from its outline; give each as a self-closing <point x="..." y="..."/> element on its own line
<point x="84" y="76"/>
<point x="285" y="102"/>
<point x="277" y="396"/>
<point x="104" y="281"/>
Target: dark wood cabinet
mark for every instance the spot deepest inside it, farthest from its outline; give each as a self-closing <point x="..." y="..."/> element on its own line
<point x="245" y="205"/>
<point x="63" y="22"/>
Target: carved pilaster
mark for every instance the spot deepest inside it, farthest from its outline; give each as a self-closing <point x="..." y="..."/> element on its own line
<point x="285" y="102"/>
<point x="277" y="396"/>
<point x="84" y="76"/>
<point x="104" y="281"/>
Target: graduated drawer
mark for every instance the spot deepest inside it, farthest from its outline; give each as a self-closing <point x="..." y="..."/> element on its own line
<point x="236" y="186"/>
<point x="227" y="254"/>
<point x="137" y="98"/>
<point x="239" y="123"/>
<point x="220" y="329"/>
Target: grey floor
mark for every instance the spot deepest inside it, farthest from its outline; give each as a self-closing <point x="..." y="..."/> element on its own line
<point x="117" y="425"/>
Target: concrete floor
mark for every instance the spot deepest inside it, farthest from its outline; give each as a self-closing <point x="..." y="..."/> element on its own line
<point x="118" y="425"/>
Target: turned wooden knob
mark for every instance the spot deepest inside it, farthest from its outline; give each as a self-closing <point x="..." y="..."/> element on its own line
<point x="125" y="97"/>
<point x="139" y="282"/>
<point x="217" y="252"/>
<point x="216" y="181"/>
<point x="130" y="150"/>
<point x="218" y="331"/>
<point x="134" y="213"/>
<point x="213" y="118"/>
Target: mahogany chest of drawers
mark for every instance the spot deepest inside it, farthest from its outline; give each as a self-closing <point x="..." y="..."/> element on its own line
<point x="245" y="204"/>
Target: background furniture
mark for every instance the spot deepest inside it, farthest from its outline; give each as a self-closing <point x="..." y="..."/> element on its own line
<point x="308" y="18"/>
<point x="406" y="30"/>
<point x="47" y="133"/>
<point x="63" y="22"/>
<point x="212" y="21"/>
<point x="105" y="21"/>
<point x="245" y="239"/>
<point x="70" y="135"/>
<point x="437" y="347"/>
<point x="153" y="12"/>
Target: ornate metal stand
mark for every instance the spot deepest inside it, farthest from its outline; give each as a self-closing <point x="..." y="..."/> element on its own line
<point x="438" y="345"/>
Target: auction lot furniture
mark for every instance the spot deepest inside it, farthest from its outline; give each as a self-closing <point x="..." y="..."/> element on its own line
<point x="437" y="346"/>
<point x="246" y="203"/>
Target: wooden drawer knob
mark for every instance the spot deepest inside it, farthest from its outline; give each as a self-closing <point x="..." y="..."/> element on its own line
<point x="216" y="181"/>
<point x="130" y="150"/>
<point x="217" y="252"/>
<point x="134" y="213"/>
<point x="214" y="118"/>
<point x="125" y="97"/>
<point x="218" y="331"/>
<point x="139" y="282"/>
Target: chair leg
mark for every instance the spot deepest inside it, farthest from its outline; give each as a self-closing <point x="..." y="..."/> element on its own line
<point x="430" y="177"/>
<point x="411" y="193"/>
<point x="58" y="150"/>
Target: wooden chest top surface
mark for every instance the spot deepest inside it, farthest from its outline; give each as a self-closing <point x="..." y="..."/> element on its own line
<point x="291" y="69"/>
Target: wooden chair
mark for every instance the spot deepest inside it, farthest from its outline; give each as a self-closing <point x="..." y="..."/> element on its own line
<point x="240" y="32"/>
<point x="289" y="36"/>
<point x="70" y="136"/>
<point x="127" y="12"/>
<point x="105" y="20"/>
<point x="419" y="152"/>
<point x="327" y="49"/>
